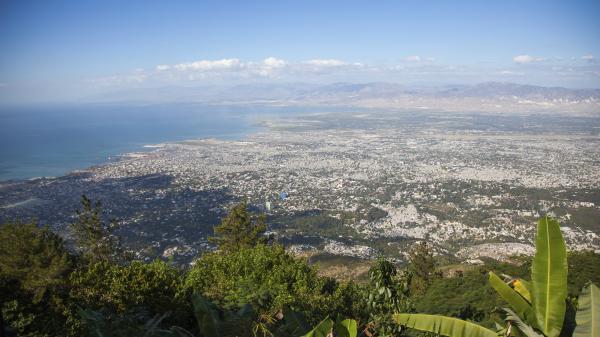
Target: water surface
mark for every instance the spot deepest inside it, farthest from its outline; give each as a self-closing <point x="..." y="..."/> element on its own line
<point x="54" y="140"/>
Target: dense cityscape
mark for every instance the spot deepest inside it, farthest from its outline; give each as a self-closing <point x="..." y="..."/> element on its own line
<point x="359" y="184"/>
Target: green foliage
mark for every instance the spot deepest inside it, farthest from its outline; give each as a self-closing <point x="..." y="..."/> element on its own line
<point x="240" y="229"/>
<point x="154" y="288"/>
<point x="33" y="267"/>
<point x="260" y="290"/>
<point x="267" y="278"/>
<point x="293" y="324"/>
<point x="579" y="277"/>
<point x="469" y="297"/>
<point x="548" y="292"/>
<point x="523" y="288"/>
<point x="33" y="257"/>
<point x="99" y="324"/>
<point x="346" y="328"/>
<point x="94" y="237"/>
<point x="339" y="328"/>
<point x="387" y="295"/>
<point x="515" y="321"/>
<point x="511" y="296"/>
<point x="442" y="325"/>
<point x="549" y="277"/>
<point x="323" y="329"/>
<point x="213" y="322"/>
<point x="588" y="313"/>
<point x="421" y="268"/>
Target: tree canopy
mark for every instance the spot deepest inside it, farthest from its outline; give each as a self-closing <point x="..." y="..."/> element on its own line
<point x="240" y="229"/>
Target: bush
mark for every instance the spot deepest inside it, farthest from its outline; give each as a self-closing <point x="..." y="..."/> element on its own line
<point x="154" y="288"/>
<point x="267" y="278"/>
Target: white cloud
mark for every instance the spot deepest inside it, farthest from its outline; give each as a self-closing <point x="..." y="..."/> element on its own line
<point x="210" y="65"/>
<point x="412" y="68"/>
<point x="523" y="59"/>
<point x="413" y="58"/>
<point x="134" y="77"/>
<point x="325" y="62"/>
<point x="589" y="58"/>
<point x="510" y="73"/>
<point x="268" y="66"/>
<point x="273" y="62"/>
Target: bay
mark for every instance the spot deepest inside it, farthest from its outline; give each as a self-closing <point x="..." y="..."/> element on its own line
<point x="54" y="140"/>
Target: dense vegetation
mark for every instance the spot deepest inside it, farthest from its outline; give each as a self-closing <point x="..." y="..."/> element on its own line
<point x="248" y="287"/>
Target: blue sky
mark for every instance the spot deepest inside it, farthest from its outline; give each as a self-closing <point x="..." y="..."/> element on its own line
<point x="73" y="46"/>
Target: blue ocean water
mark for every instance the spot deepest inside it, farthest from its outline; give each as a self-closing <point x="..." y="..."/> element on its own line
<point x="54" y="140"/>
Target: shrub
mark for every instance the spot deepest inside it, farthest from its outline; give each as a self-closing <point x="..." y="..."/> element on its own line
<point x="153" y="288"/>
<point x="267" y="278"/>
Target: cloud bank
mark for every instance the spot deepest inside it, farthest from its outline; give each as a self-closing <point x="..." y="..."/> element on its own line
<point x="576" y="71"/>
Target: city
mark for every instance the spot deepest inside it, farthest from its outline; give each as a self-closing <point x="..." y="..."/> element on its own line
<point x="359" y="184"/>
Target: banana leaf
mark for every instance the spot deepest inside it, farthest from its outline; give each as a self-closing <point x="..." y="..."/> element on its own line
<point x="323" y="329"/>
<point x="516" y="301"/>
<point x="518" y="324"/>
<point x="207" y="315"/>
<point x="549" y="277"/>
<point x="588" y="313"/>
<point x="293" y="324"/>
<point x="446" y="326"/>
<point x="522" y="287"/>
<point x="345" y="328"/>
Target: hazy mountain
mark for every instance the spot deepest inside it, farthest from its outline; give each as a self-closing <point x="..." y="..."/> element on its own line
<point x="490" y="96"/>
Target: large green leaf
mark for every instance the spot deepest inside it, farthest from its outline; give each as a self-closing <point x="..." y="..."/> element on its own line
<point x="293" y="324"/>
<point x="521" y="327"/>
<point x="522" y="287"/>
<point x="549" y="277"/>
<point x="346" y="328"/>
<point x="446" y="326"/>
<point x="588" y="313"/>
<point x="322" y="329"/>
<point x="512" y="297"/>
<point x="207" y="315"/>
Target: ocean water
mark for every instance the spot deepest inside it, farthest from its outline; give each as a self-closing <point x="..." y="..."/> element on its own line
<point x="54" y="140"/>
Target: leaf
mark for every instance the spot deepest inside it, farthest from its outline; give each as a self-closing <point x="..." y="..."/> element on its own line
<point x="526" y="329"/>
<point x="447" y="326"/>
<point x="207" y="316"/>
<point x="588" y="313"/>
<point x="322" y="329"/>
<point x="518" y="303"/>
<point x="294" y="323"/>
<point x="522" y="287"/>
<point x="549" y="277"/>
<point x="181" y="332"/>
<point x="346" y="328"/>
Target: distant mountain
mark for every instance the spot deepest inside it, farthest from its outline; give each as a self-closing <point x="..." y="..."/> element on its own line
<point x="504" y="90"/>
<point x="490" y="96"/>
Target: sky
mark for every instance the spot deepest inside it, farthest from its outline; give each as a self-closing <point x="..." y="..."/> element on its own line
<point x="69" y="49"/>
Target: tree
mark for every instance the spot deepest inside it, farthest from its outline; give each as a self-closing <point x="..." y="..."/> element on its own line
<point x="387" y="295"/>
<point x="421" y="268"/>
<point x="240" y="228"/>
<point x="34" y="265"/>
<point x="269" y="279"/>
<point x="95" y="238"/>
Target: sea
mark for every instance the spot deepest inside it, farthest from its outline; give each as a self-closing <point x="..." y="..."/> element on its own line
<point x="53" y="140"/>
